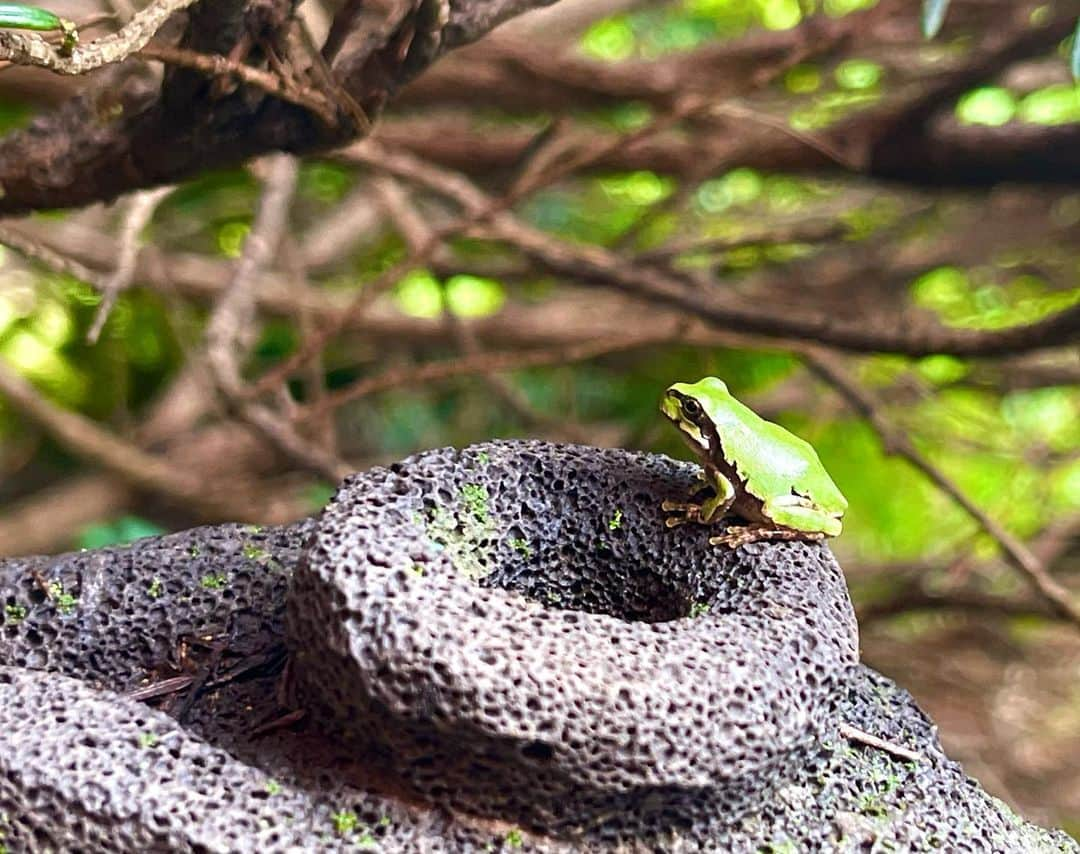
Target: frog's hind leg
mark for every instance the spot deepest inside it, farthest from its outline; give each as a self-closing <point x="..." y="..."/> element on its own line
<point x="743" y="535"/>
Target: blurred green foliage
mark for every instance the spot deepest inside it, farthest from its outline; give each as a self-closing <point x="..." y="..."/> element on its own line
<point x="124" y="530"/>
<point x="895" y="513"/>
<point x="1014" y="452"/>
<point x="649" y="32"/>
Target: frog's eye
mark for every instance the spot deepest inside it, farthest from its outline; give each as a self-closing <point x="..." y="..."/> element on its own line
<point x="691" y="408"/>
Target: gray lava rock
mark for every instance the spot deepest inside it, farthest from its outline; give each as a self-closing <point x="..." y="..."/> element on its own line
<point x="479" y="639"/>
<point x="483" y="618"/>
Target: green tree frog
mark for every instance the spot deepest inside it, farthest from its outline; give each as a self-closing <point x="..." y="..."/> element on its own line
<point x="757" y="469"/>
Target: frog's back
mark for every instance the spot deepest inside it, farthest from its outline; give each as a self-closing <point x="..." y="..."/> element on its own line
<point x="770" y="460"/>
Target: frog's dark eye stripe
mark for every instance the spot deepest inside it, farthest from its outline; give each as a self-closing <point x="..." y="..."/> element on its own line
<point x="691" y="408"/>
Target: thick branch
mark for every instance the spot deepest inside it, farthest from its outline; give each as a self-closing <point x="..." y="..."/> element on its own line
<point x="90" y="151"/>
<point x="470" y="21"/>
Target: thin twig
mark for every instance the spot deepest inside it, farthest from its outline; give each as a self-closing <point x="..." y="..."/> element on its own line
<point x="854" y="734"/>
<point x="531" y="181"/>
<point x="325" y="242"/>
<point x="33" y="249"/>
<point x="479" y="209"/>
<point x="485" y="363"/>
<point x="214" y="65"/>
<point x="329" y="83"/>
<point x="1048" y="546"/>
<point x="416" y="232"/>
<point x="826" y="366"/>
<point x="140" y="210"/>
<point x="812" y="231"/>
<point x="231" y="327"/>
<point x="315" y="375"/>
<point x="356" y="308"/>
<point x="823" y="146"/>
<point x="89" y="441"/>
<point x="282" y="722"/>
<point x="161" y="689"/>
<point x="570" y="318"/>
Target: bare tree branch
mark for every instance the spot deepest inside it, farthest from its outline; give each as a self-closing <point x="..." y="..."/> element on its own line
<point x="90" y="442"/>
<point x="140" y="210"/>
<point x="593" y="263"/>
<point x="484" y="363"/>
<point x="231" y="327"/>
<point x="895" y="442"/>
<point x="71" y="157"/>
<point x="34" y="248"/>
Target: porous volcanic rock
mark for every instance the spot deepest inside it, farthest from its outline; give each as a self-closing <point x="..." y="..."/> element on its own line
<point x="516" y="626"/>
<point x="495" y="649"/>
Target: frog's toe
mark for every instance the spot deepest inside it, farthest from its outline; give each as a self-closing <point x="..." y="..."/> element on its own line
<point x="741" y="536"/>
<point x="683" y="512"/>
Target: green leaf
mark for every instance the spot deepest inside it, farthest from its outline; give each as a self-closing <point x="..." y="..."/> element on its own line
<point x="419" y="294"/>
<point x="611" y="39"/>
<point x="473" y="296"/>
<point x="989" y="105"/>
<point x="19" y="17"/>
<point x="121" y="531"/>
<point x="933" y="16"/>
<point x="1074" y="57"/>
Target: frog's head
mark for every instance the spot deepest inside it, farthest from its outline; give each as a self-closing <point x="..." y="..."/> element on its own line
<point x="688" y="407"/>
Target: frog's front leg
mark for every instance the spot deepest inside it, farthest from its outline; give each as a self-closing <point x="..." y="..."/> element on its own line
<point x="701" y="485"/>
<point x="707" y="511"/>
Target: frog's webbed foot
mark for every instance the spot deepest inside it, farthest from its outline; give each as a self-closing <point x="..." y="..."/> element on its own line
<point x="684" y="511"/>
<point x="709" y="510"/>
<point x="736" y="536"/>
<point x="688" y="511"/>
